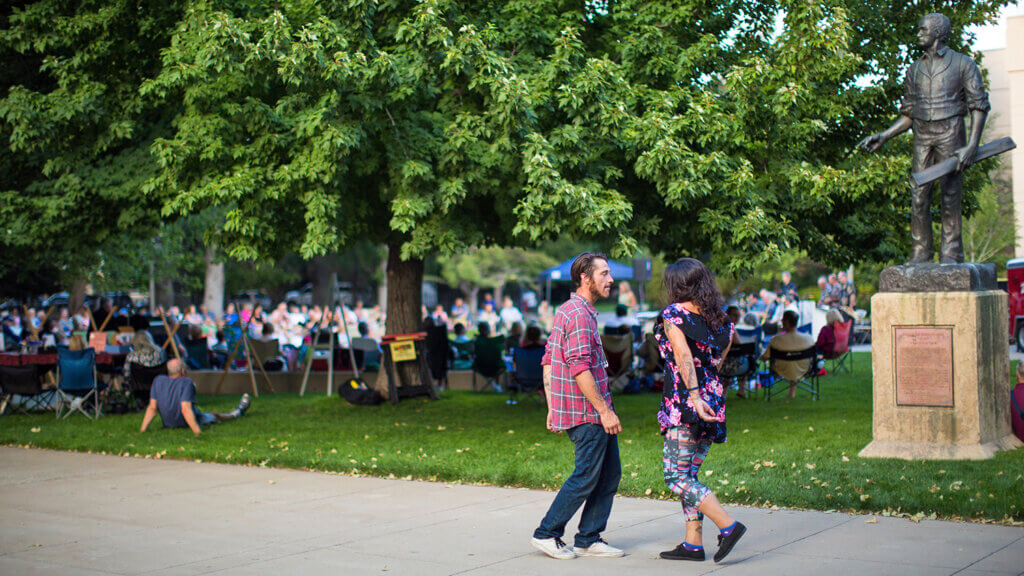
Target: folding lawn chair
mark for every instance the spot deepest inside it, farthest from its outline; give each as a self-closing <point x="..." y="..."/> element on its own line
<point x="619" y="352"/>
<point x="841" y="359"/>
<point x="527" y="372"/>
<point x="24" y="382"/>
<point x="140" y="381"/>
<point x="488" y="360"/>
<point x="748" y="353"/>
<point x="808" y="381"/>
<point x="77" y="382"/>
<point x="198" y="352"/>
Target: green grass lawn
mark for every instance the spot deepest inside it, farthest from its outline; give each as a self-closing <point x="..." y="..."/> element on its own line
<point x="789" y="453"/>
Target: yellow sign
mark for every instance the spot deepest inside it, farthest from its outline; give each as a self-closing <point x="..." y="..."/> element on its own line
<point x="403" y="351"/>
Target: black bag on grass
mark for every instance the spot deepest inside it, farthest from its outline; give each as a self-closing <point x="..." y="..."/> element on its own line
<point x="356" y="392"/>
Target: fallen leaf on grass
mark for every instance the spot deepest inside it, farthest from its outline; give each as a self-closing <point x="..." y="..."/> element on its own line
<point x="846" y="459"/>
<point x="36" y="430"/>
<point x="864" y="497"/>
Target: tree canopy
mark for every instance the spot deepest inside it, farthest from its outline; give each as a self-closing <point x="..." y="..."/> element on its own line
<point x="723" y="128"/>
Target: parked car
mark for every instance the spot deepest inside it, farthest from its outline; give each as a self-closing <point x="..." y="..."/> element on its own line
<point x="253" y="296"/>
<point x="304" y="294"/>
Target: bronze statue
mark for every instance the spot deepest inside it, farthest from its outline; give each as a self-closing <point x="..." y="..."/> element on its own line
<point x="939" y="90"/>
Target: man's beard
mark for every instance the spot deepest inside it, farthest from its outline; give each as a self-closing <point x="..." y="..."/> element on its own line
<point x="595" y="293"/>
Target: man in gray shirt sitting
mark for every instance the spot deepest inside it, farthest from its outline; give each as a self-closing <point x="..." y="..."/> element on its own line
<point x="174" y="396"/>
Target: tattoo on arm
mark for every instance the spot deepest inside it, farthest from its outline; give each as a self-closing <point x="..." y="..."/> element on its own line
<point x="690" y="374"/>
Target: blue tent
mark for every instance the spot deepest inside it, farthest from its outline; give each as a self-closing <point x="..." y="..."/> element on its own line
<point x="561" y="273"/>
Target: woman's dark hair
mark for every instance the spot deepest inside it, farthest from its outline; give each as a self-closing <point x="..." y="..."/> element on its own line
<point x="689" y="280"/>
<point x="533" y="335"/>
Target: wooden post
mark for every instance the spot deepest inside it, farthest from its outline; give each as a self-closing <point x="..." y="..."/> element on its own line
<point x="253" y="354"/>
<point x="170" y="337"/>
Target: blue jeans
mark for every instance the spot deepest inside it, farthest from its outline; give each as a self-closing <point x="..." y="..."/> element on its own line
<point x="204" y="418"/>
<point x="593" y="484"/>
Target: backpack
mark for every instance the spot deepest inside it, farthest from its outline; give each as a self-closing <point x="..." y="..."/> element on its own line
<point x="1017" y="411"/>
<point x="356" y="392"/>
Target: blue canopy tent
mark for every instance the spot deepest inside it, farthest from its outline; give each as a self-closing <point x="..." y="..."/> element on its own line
<point x="562" y="273"/>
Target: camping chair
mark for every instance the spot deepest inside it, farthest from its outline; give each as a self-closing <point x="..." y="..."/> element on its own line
<point x="841" y="359"/>
<point x="808" y="381"/>
<point x="198" y="352"/>
<point x="488" y="360"/>
<point x="23" y="381"/>
<point x="439" y="353"/>
<point x="527" y="372"/>
<point x="371" y="352"/>
<point x="140" y="381"/>
<point x="619" y="352"/>
<point x="748" y="352"/>
<point x="77" y="382"/>
<point x="751" y="335"/>
<point x="268" y="352"/>
<point x="463" y="355"/>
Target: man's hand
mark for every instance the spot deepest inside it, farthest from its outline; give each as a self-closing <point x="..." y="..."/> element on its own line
<point x="873" y="142"/>
<point x="965" y="157"/>
<point x="551" y="416"/>
<point x="610" y="422"/>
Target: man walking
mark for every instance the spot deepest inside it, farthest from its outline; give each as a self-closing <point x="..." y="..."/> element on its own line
<point x="579" y="403"/>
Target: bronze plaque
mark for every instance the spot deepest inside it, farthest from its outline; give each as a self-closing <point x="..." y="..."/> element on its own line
<point x="924" y="366"/>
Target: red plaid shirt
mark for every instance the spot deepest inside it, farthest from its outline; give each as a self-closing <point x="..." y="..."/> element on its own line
<point x="575" y="347"/>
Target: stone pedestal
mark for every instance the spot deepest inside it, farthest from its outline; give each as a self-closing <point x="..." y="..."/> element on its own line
<point x="941" y="366"/>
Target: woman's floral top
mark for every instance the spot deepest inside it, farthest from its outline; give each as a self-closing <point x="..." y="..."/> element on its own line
<point x="707" y="348"/>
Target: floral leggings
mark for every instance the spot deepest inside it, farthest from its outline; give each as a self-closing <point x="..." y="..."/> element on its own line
<point x="681" y="459"/>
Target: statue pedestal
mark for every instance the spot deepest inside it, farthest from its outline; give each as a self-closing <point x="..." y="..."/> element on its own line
<point x="941" y="365"/>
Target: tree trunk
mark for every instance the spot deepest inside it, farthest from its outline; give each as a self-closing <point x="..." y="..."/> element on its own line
<point x="382" y="288"/>
<point x="322" y="282"/>
<point x="213" y="288"/>
<point x="76" y="298"/>
<point x="164" y="292"/>
<point x="405" y="296"/>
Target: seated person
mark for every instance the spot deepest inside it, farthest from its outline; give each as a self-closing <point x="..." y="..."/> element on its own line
<point x="174" y="396"/>
<point x="515" y="336"/>
<point x="734" y="364"/>
<point x="460" y="333"/>
<point x="827" y="337"/>
<point x="790" y="341"/>
<point x="622" y="318"/>
<point x="144" y="352"/>
<point x="532" y="339"/>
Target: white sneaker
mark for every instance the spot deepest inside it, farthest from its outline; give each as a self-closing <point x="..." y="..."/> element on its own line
<point x="553" y="547"/>
<point x="599" y="549"/>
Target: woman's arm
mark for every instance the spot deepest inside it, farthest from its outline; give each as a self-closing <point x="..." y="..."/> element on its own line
<point x="687" y="370"/>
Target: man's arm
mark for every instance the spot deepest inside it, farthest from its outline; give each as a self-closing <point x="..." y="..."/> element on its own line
<point x="150" y="413"/>
<point x="190" y="418"/>
<point x="587" y="385"/>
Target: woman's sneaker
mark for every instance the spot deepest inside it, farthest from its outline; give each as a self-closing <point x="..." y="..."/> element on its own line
<point x="725" y="543"/>
<point x="599" y="549"/>
<point x="553" y="547"/>
<point x="682" y="553"/>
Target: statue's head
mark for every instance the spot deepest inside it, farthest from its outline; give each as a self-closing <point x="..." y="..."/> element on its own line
<point x="933" y="27"/>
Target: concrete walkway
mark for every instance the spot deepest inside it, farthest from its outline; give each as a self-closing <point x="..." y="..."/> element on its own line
<point x="68" y="514"/>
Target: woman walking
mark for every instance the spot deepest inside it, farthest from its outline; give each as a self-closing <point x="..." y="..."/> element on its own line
<point x="694" y="336"/>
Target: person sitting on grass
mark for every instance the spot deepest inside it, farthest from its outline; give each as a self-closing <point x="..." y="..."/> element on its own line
<point x="174" y="396"/>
